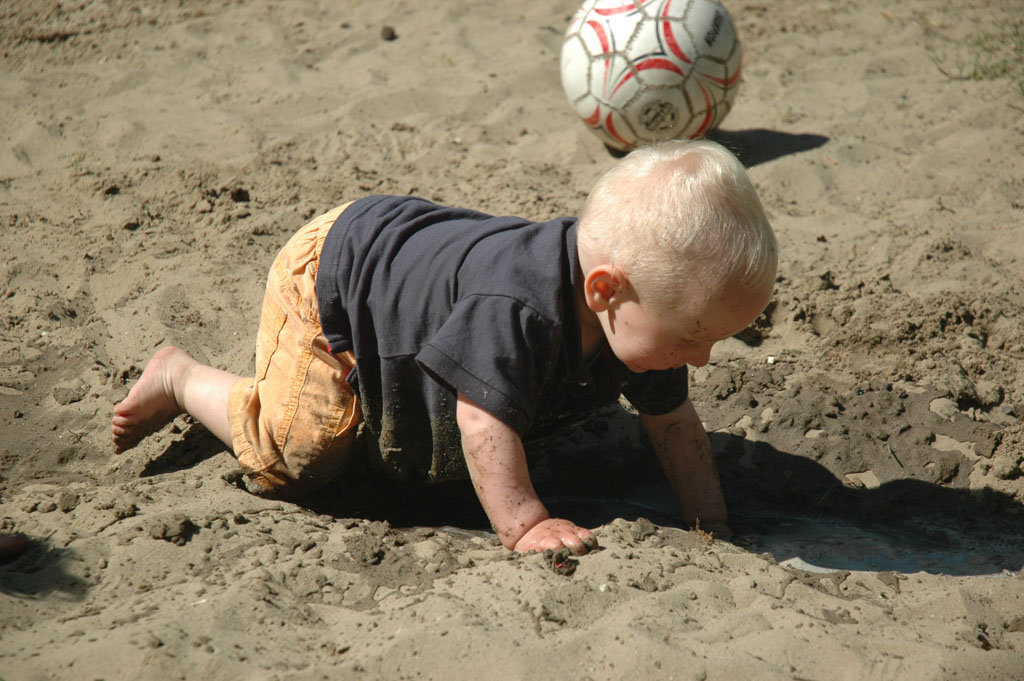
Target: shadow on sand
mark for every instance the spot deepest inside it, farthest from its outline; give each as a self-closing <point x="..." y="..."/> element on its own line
<point x="38" y="570"/>
<point x="780" y="503"/>
<point x="758" y="145"/>
<point x="793" y="507"/>
<point x="197" y="445"/>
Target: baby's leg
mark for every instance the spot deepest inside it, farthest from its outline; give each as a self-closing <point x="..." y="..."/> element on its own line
<point x="173" y="383"/>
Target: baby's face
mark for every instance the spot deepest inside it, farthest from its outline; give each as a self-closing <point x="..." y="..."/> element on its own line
<point x="646" y="338"/>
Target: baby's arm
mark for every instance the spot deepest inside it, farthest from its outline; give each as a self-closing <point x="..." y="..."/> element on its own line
<point x="683" y="448"/>
<point x="497" y="466"/>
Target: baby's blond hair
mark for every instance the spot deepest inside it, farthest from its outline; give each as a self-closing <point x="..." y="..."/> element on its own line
<point x="674" y="204"/>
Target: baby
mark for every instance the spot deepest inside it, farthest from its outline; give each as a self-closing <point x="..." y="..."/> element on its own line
<point x="453" y="336"/>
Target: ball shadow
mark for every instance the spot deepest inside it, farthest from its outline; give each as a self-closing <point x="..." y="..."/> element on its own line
<point x="758" y="145"/>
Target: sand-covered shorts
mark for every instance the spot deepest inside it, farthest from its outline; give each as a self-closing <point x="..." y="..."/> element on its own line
<point x="293" y="424"/>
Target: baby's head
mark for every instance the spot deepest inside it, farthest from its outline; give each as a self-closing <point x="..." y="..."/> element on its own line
<point x="676" y="252"/>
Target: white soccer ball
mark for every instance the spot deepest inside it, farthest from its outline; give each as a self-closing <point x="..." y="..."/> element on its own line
<point x="639" y="71"/>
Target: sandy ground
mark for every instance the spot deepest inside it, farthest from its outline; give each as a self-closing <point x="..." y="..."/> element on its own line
<point x="154" y="156"/>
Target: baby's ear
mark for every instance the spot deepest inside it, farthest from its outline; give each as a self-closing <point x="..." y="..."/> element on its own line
<point x="601" y="286"/>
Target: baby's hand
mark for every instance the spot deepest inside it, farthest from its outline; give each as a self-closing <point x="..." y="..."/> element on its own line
<point x="554" y="534"/>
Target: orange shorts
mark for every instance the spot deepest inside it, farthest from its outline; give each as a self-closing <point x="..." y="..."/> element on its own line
<point x="294" y="424"/>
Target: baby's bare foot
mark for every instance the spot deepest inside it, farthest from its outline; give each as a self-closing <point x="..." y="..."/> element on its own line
<point x="151" y="403"/>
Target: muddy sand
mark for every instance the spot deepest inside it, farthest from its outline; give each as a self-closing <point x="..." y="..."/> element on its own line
<point x="155" y="156"/>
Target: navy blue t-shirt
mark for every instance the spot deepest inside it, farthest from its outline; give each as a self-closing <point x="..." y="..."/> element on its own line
<point x="435" y="300"/>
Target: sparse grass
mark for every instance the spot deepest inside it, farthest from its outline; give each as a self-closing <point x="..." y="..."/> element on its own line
<point x="789" y="116"/>
<point x="72" y="160"/>
<point x="993" y="55"/>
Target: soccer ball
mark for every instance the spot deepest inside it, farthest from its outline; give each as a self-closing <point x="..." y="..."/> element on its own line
<point x="638" y="71"/>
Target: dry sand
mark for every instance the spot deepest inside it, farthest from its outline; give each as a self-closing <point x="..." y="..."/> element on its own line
<point x="155" y="156"/>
